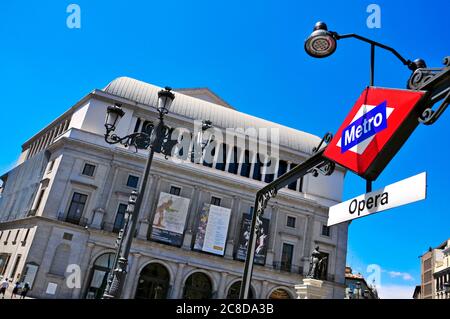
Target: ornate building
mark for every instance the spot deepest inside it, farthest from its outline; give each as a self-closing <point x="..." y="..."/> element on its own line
<point x="63" y="204"/>
<point x="435" y="273"/>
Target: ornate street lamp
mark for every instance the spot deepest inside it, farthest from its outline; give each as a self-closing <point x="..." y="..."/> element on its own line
<point x="113" y="115"/>
<point x="158" y="140"/>
<point x="321" y="43"/>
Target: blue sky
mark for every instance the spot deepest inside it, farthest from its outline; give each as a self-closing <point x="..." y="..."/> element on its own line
<point x="251" y="54"/>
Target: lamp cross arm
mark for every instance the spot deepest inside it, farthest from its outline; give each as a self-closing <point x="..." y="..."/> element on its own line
<point x="411" y="65"/>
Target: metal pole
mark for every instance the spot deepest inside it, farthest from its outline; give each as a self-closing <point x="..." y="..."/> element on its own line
<point x="248" y="268"/>
<point x="372" y="83"/>
<point x="119" y="274"/>
<point x="120" y="239"/>
<point x="372" y="64"/>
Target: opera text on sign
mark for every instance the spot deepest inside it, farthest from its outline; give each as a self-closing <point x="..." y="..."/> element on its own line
<point x="404" y="192"/>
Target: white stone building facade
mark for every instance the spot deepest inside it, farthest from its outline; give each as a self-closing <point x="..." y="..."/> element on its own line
<point x="59" y="206"/>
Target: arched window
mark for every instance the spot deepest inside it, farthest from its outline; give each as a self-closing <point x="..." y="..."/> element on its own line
<point x="197" y="286"/>
<point x="154" y="282"/>
<point x="99" y="276"/>
<point x="280" y="294"/>
<point x="234" y="290"/>
<point x="60" y="260"/>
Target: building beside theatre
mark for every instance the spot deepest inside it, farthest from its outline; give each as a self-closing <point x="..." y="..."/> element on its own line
<point x="357" y="286"/>
<point x="64" y="203"/>
<point x="435" y="273"/>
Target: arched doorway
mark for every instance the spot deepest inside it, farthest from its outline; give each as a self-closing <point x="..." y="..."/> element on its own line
<point x="154" y="282"/>
<point x="280" y="294"/>
<point x="99" y="276"/>
<point x="197" y="286"/>
<point x="234" y="290"/>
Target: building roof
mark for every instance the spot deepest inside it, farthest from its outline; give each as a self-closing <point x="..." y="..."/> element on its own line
<point x="204" y="94"/>
<point x="199" y="109"/>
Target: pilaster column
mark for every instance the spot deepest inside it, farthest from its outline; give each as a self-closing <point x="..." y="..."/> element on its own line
<point x="272" y="236"/>
<point x="264" y="290"/>
<point x="191" y="218"/>
<point x="108" y="185"/>
<point x="307" y="247"/>
<point x="152" y="196"/>
<point x="232" y="231"/>
<point x="177" y="282"/>
<point x="132" y="276"/>
<point x="221" y="293"/>
<point x="84" y="266"/>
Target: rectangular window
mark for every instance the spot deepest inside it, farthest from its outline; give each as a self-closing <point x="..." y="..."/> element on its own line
<point x="300" y="187"/>
<point x="24" y="241"/>
<point x="282" y="167"/>
<point x="175" y="190"/>
<point x="222" y="158"/>
<point x="7" y="237"/>
<point x="50" y="166"/>
<point x="286" y="257"/>
<point x="324" y="257"/>
<point x="290" y="221"/>
<point x="268" y="175"/>
<point x="325" y="230"/>
<point x="293" y="185"/>
<point x="76" y="208"/>
<point x="215" y="201"/>
<point x="39" y="200"/>
<point x="132" y="181"/>
<point x="208" y="156"/>
<point x="119" y="223"/>
<point x="138" y="124"/>
<point x="4" y="261"/>
<point x="257" y="170"/>
<point x="234" y="163"/>
<point x="88" y="170"/>
<point x="17" y="235"/>
<point x="246" y="165"/>
<point x="67" y="236"/>
<point x="14" y="269"/>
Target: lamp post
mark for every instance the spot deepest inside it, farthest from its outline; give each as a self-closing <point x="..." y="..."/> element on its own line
<point x="156" y="141"/>
<point x="323" y="43"/>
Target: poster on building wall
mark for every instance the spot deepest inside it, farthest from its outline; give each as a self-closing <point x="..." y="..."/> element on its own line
<point x="212" y="229"/>
<point x="261" y="241"/>
<point x="170" y="219"/>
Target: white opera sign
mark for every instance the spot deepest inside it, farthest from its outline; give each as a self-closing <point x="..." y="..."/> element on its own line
<point x="401" y="193"/>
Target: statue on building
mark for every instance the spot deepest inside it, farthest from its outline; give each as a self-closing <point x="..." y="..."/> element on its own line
<point x="317" y="264"/>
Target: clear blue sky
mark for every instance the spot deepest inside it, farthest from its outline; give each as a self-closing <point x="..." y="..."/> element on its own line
<point x="251" y="54"/>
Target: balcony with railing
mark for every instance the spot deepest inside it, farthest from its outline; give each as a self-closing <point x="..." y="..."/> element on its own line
<point x="288" y="267"/>
<point x="80" y="221"/>
<point x="110" y="227"/>
<point x="295" y="269"/>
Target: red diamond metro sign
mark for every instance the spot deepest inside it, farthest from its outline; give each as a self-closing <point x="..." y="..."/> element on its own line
<point x="378" y="125"/>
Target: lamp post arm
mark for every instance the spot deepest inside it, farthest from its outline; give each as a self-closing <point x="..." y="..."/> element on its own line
<point x="406" y="62"/>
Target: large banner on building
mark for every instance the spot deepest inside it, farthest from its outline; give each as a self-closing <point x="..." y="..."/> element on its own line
<point x="212" y="229"/>
<point x="170" y="219"/>
<point x="261" y="240"/>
